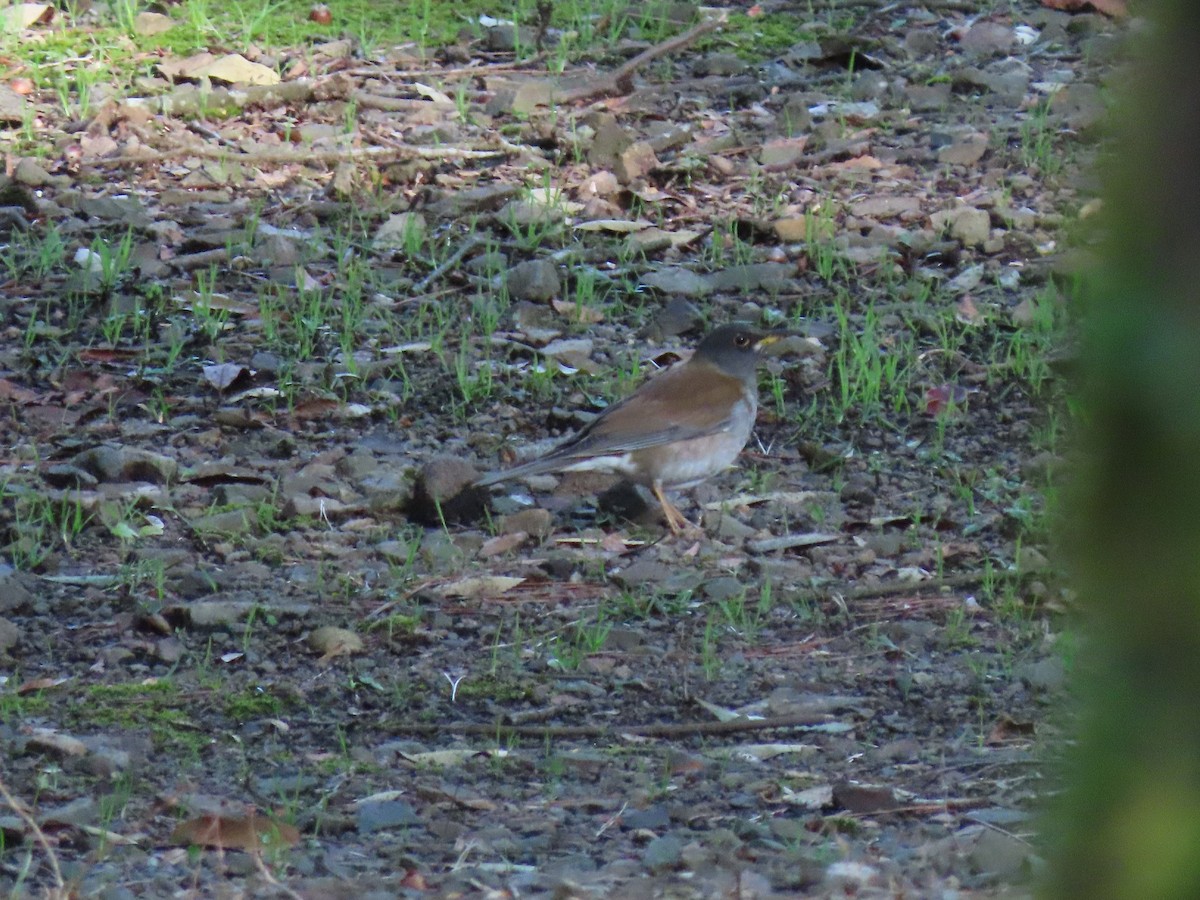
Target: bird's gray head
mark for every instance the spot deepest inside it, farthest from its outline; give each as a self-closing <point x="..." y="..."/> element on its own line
<point x="734" y="348"/>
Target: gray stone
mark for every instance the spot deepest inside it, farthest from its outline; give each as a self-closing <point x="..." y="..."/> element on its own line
<point x="677" y="280"/>
<point x="752" y="277"/>
<point x="13" y="593"/>
<point x="10" y="635"/>
<point x="988" y="39"/>
<point x="634" y="162"/>
<point x="534" y="279"/>
<point x="999" y="854"/>
<point x="537" y="522"/>
<point x="445" y="492"/>
<point x="663" y="853"/>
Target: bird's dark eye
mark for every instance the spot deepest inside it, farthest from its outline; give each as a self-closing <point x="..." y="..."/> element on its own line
<point x="741" y="340"/>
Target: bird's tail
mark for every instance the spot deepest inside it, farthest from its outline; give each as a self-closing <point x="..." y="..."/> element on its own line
<point x="540" y="466"/>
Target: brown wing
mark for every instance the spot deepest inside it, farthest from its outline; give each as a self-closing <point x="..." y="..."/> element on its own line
<point x="686" y="401"/>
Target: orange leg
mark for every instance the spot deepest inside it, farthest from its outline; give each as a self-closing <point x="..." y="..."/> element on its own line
<point x="675" y="519"/>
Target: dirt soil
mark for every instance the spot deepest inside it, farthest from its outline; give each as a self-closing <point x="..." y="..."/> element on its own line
<point x="256" y="639"/>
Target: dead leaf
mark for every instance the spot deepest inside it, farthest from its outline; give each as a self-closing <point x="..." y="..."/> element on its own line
<point x="1006" y="730"/>
<point x="49" y="740"/>
<point x="251" y="833"/>
<point x="617" y="226"/>
<point x="503" y="543"/>
<point x="25" y="15"/>
<point x="967" y="312"/>
<point x="331" y="641"/>
<point x="479" y="586"/>
<point x="859" y="163"/>
<point x="222" y="375"/>
<point x="314" y="408"/>
<point x="578" y="312"/>
<point x="945" y="397"/>
<point x="149" y="24"/>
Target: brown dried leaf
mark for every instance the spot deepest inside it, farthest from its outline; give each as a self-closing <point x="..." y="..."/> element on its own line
<point x="577" y="312"/>
<point x="479" y="586"/>
<point x="25" y="15"/>
<point x="252" y="833"/>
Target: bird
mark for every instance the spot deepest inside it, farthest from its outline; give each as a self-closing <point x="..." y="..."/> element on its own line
<point x="677" y="429"/>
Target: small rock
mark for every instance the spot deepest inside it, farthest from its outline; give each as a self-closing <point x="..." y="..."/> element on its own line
<point x="599" y="184"/>
<point x="642" y="573"/>
<point x="12" y="106"/>
<point x="634" y="162"/>
<point x="782" y="153"/>
<point x="532" y="94"/>
<point x="397" y="552"/>
<point x="488" y="198"/>
<point x="724" y="588"/>
<point x="445" y="492"/>
<point x="378" y="815"/>
<point x="988" y="38"/>
<point x="501" y="544"/>
<point x="965" y="223"/>
<point x="83" y="811"/>
<point x="721" y="64"/>
<point x="534" y="279"/>
<point x="999" y="854"/>
<point x="792" y="230"/>
<point x="526" y="213"/>
<point x="624" y="502"/>
<point x="1046" y="674"/>
<point x="677" y="280"/>
<point x="609" y="142"/>
<point x="401" y="231"/>
<point x="752" y="277"/>
<point x="226" y="524"/>
<point x="862" y="799"/>
<point x="13" y="593"/>
<point x="28" y="172"/>
<point x="653" y="817"/>
<point x="851" y="877"/>
<point x="117" y="464"/>
<point x="858" y="491"/>
<point x="678" y="317"/>
<point x="928" y="97"/>
<point x="663" y="853"/>
<point x="10" y="635"/>
<point x="506" y="38"/>
<point x="537" y="522"/>
<point x="964" y="153"/>
<point x="1081" y="106"/>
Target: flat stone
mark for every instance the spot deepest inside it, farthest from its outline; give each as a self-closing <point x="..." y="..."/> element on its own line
<point x="538" y="522"/>
<point x="10" y="635"/>
<point x="988" y="38"/>
<point x="380" y="815"/>
<point x="634" y="162"/>
<point x="678" y="281"/>
<point x="445" y="492"/>
<point x="752" y="277"/>
<point x="534" y="280"/>
<point x="663" y="853"/>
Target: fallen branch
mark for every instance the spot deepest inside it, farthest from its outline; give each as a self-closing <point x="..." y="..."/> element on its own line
<point x="60" y="885"/>
<point x="655" y="729"/>
<point x="259" y="157"/>
<point x="621" y="80"/>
